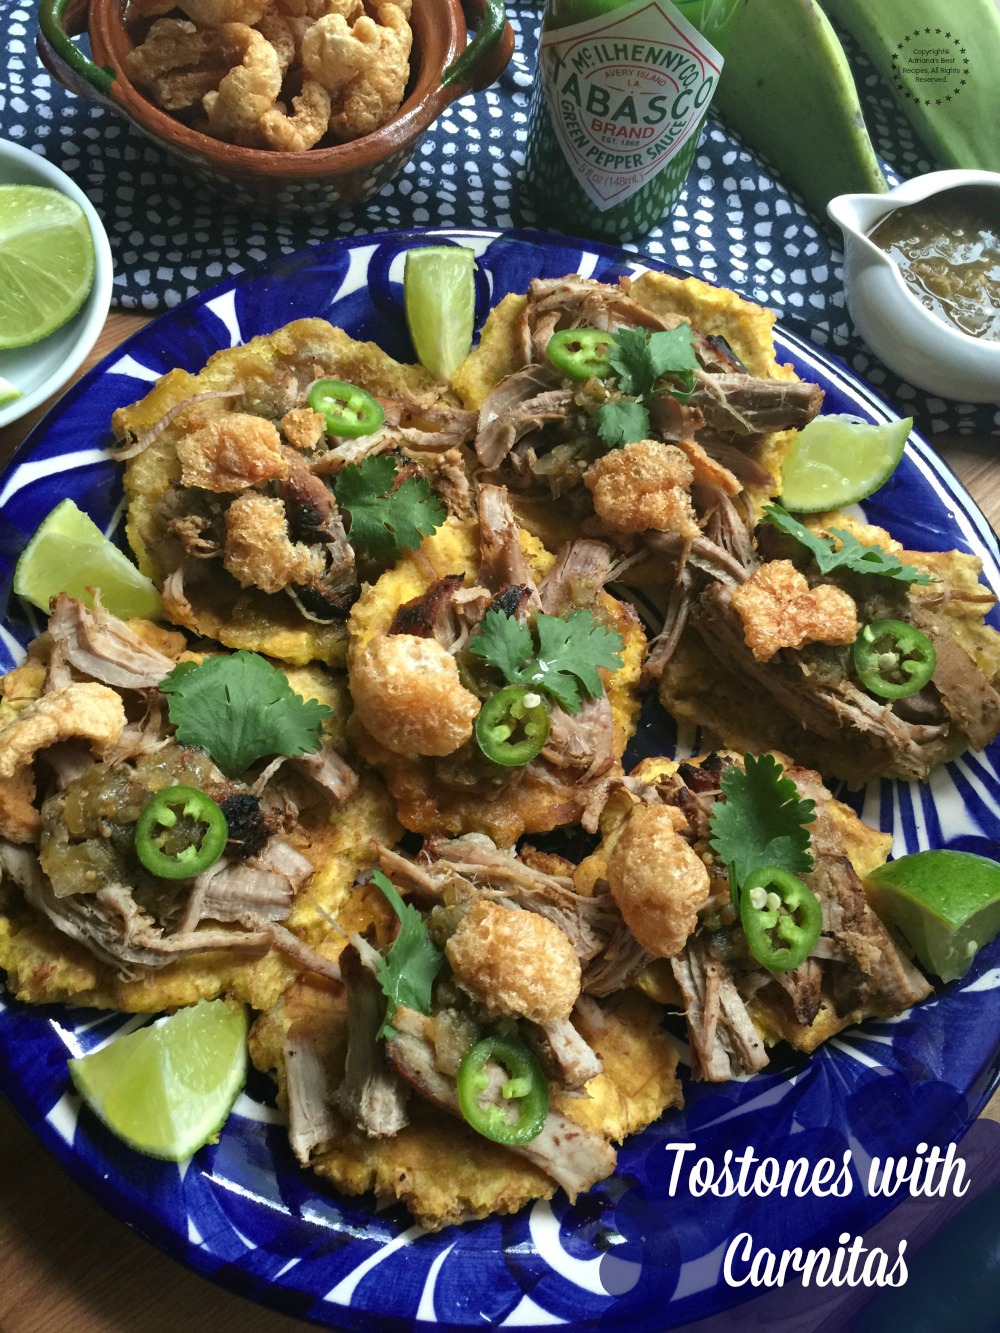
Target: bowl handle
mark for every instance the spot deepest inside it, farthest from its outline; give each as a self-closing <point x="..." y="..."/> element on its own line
<point x="57" y="21"/>
<point x="488" y="54"/>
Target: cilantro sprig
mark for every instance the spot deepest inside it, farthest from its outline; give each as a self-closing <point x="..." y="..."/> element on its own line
<point x="568" y="651"/>
<point x="762" y="821"/>
<point x="406" y="973"/>
<point x="240" y="708"/>
<point x="641" y="359"/>
<point x="851" y="555"/>
<point x="386" y="519"/>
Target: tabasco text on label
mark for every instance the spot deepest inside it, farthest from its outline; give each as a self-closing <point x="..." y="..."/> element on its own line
<point x="625" y="91"/>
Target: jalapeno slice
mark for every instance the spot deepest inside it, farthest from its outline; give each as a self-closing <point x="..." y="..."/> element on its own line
<point x="893" y="659"/>
<point x="580" y="353"/>
<point x="513" y="725"/>
<point x="173" y="852"/>
<point x="348" y="409"/>
<point x="781" y="918"/>
<point x="525" y="1085"/>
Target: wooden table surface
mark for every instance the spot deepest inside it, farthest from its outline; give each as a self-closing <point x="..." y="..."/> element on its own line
<point x="66" y="1264"/>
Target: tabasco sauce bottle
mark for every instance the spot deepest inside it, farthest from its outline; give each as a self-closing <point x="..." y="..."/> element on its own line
<point x="620" y="93"/>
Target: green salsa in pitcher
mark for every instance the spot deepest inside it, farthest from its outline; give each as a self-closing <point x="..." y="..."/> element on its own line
<point x="620" y="94"/>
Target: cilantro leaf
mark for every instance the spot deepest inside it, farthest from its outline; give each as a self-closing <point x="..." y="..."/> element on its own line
<point x="570" y="649"/>
<point x="406" y="973"/>
<point x="385" y="521"/>
<point x="240" y="708"/>
<point x="503" y="642"/>
<point x="852" y="554"/>
<point x="619" y="424"/>
<point x="640" y="358"/>
<point x="761" y="822"/>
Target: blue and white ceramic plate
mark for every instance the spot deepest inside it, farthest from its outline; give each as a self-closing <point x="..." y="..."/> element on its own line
<point x="627" y="1256"/>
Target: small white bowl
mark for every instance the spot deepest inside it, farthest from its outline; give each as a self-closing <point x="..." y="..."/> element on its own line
<point x="914" y="342"/>
<point x="42" y="368"/>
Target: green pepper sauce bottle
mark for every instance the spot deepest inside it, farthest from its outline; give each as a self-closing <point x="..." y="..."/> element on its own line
<point x="620" y="94"/>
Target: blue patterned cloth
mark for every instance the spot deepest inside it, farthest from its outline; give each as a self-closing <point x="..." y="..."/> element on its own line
<point x="735" y="224"/>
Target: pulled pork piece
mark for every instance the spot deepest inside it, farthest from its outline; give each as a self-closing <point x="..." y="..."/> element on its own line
<point x="780" y="610"/>
<point x="576" y="1158"/>
<point x="522" y="402"/>
<point x="581" y="570"/>
<point x="311" y="1120"/>
<point x="968" y="697"/>
<point x="740" y="405"/>
<point x="724" y="1041"/>
<point x="101" y="646"/>
<point x="561" y="1045"/>
<point x="370" y="1094"/>
<point x="502" y="561"/>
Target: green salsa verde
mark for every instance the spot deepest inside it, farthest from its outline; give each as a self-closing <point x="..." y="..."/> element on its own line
<point x="947" y="250"/>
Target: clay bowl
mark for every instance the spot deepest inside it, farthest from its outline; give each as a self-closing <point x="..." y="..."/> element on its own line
<point x="267" y="181"/>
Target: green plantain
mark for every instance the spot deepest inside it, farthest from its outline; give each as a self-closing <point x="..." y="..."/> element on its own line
<point x="941" y="58"/>
<point x="787" y="89"/>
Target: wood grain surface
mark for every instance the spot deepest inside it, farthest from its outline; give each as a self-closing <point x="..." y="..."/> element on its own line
<point x="68" y="1266"/>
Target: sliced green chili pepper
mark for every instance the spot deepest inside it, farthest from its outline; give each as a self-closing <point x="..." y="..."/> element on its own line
<point x="513" y="725"/>
<point x="525" y="1084"/>
<point x="174" y="851"/>
<point x="580" y="353"/>
<point x="348" y="410"/>
<point x="781" y="918"/>
<point x="893" y="659"/>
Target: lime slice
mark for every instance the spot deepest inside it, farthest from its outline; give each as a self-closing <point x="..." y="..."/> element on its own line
<point x="439" y="296"/>
<point x="46" y="262"/>
<point x="168" y="1088"/>
<point x="9" y="393"/>
<point x="69" y="553"/>
<point x="946" y="905"/>
<point x="838" y="460"/>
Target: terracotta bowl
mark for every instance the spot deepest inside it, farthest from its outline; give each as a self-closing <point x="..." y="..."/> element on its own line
<point x="264" y="180"/>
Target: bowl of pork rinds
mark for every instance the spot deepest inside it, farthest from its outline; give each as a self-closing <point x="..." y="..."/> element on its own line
<point x="281" y="105"/>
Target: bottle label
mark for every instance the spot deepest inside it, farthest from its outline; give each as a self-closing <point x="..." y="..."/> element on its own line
<point x="625" y="91"/>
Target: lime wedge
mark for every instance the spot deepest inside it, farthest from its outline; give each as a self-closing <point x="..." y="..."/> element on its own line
<point x="69" y="553"/>
<point x="46" y="262"/>
<point x="439" y="296"/>
<point x="168" y="1088"/>
<point x="838" y="460"/>
<point x="946" y="905"/>
<point x="9" y="393"/>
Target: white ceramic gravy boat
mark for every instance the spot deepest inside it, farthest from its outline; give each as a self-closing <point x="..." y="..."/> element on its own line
<point x="914" y="342"/>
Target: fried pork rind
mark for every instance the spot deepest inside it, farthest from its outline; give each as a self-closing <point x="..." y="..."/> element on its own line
<point x="438" y="1166"/>
<point x="342" y="71"/>
<point x="696" y="687"/>
<point x="408" y="692"/>
<point x="533" y="802"/>
<point x="657" y="880"/>
<point x="780" y="610"/>
<point x="268" y="378"/>
<point x="645" y="485"/>
<point x="515" y="962"/>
